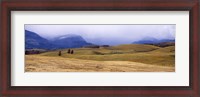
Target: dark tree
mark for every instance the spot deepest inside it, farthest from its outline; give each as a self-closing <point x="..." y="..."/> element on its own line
<point x="72" y="51"/>
<point x="26" y="52"/>
<point x="37" y="52"/>
<point x="68" y="51"/>
<point x="59" y="54"/>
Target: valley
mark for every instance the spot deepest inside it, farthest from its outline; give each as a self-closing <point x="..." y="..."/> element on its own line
<point x="72" y="53"/>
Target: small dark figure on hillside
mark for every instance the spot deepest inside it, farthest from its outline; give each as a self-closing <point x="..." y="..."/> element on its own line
<point x="59" y="54"/>
<point x="37" y="52"/>
<point x="68" y="51"/>
<point x="72" y="51"/>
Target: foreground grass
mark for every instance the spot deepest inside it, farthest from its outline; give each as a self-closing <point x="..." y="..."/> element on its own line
<point x="38" y="63"/>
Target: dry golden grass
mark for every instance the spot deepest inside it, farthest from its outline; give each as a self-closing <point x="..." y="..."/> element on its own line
<point x="38" y="63"/>
<point x="147" y="54"/>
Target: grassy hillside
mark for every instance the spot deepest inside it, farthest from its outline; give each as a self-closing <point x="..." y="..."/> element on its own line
<point x="147" y="54"/>
<point x="169" y="49"/>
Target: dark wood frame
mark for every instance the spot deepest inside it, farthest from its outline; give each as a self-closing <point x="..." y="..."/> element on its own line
<point x="99" y="5"/>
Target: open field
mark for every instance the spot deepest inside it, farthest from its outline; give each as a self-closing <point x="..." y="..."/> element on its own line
<point x="122" y="58"/>
<point x="147" y="54"/>
<point x="37" y="63"/>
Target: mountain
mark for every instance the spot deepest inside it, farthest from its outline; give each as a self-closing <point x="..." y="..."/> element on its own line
<point x="150" y="40"/>
<point x="33" y="41"/>
<point x="69" y="41"/>
<point x="164" y="44"/>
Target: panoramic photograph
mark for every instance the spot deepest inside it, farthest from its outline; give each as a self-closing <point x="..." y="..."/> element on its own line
<point x="99" y="48"/>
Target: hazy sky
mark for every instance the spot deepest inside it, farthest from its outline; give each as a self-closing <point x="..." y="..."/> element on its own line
<point x="106" y="34"/>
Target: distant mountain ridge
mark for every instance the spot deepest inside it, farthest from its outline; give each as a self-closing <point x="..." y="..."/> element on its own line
<point x="150" y="40"/>
<point x="164" y="44"/>
<point x="33" y="41"/>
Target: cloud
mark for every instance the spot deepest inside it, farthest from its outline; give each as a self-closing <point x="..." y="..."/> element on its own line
<point x="106" y="34"/>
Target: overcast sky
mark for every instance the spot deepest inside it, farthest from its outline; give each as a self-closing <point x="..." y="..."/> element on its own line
<point x="106" y="34"/>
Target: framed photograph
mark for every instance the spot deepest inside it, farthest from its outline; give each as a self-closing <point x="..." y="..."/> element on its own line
<point x="139" y="48"/>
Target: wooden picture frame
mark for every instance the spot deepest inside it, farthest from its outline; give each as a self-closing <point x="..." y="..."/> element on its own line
<point x="193" y="90"/>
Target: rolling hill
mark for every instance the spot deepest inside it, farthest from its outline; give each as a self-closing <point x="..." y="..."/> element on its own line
<point x="122" y="58"/>
<point x="147" y="54"/>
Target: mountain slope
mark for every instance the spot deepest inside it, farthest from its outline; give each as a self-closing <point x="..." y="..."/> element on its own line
<point x="69" y="41"/>
<point x="33" y="40"/>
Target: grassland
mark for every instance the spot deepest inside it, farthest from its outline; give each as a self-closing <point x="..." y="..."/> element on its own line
<point x="122" y="58"/>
